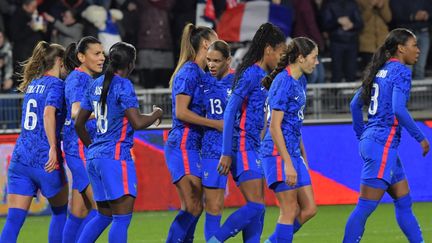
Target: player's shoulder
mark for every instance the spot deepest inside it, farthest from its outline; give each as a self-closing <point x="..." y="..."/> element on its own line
<point x="189" y="68"/>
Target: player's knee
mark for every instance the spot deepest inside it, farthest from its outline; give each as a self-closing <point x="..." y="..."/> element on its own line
<point x="214" y="209"/>
<point x="310" y="211"/>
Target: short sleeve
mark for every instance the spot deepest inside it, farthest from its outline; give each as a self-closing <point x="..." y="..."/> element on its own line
<point x="402" y="80"/>
<point x="279" y="93"/>
<point x="86" y="102"/>
<point x="126" y="95"/>
<point x="78" y="86"/>
<point x="55" y="96"/>
<point x="186" y="82"/>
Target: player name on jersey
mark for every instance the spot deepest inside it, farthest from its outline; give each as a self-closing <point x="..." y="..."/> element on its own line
<point x="35" y="89"/>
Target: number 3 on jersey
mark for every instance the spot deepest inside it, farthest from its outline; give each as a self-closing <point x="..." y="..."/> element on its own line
<point x="373" y="107"/>
<point x="101" y="119"/>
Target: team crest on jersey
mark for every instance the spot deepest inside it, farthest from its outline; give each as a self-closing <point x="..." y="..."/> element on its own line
<point x="229" y="91"/>
<point x="258" y="163"/>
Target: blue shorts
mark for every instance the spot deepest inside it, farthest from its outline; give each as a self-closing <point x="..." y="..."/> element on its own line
<point x="210" y="176"/>
<point x="25" y="180"/>
<point x="246" y="161"/>
<point x="380" y="162"/>
<point x="182" y="162"/>
<point x="80" y="179"/>
<point x="111" y="179"/>
<point x="274" y="171"/>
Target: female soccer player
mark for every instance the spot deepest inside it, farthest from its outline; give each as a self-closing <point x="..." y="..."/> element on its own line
<point x="216" y="89"/>
<point x="283" y="155"/>
<point x="36" y="162"/>
<point x="110" y="166"/>
<point x="182" y="149"/>
<point x="245" y="112"/>
<point x="83" y="61"/>
<point x="385" y="89"/>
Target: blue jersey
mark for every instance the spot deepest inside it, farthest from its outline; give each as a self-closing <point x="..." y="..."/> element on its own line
<point x="215" y="96"/>
<point x="382" y="123"/>
<point x="32" y="146"/>
<point x="250" y="119"/>
<point x="75" y="87"/>
<point x="188" y="81"/>
<point x="288" y="95"/>
<point x="114" y="134"/>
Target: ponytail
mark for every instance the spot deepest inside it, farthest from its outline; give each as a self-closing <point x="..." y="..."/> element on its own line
<point x="190" y="44"/>
<point x="298" y="46"/>
<point x="396" y="37"/>
<point x="42" y="59"/>
<point x="70" y="60"/>
<point x="266" y="35"/>
<point x="121" y="56"/>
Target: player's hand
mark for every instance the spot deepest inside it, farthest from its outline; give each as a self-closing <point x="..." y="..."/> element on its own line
<point x="290" y="174"/>
<point x="52" y="163"/>
<point x="158" y="112"/>
<point x="425" y="146"/>
<point x="224" y="165"/>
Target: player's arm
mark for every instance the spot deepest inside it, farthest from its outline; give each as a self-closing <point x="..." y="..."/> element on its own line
<point x="399" y="100"/>
<point x="303" y="152"/>
<point x="140" y="121"/>
<point x="231" y="109"/>
<point x="184" y="114"/>
<point x="75" y="109"/>
<point x="356" y="106"/>
<point x="279" y="141"/>
<point x="50" y="131"/>
<point x="81" y="119"/>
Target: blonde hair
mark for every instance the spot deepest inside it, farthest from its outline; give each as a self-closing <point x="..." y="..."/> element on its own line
<point x="42" y="59"/>
<point x="190" y="43"/>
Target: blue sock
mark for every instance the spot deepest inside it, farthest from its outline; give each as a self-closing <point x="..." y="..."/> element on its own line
<point x="406" y="219"/>
<point x="71" y="227"/>
<point x="296" y="225"/>
<point x="180" y="226"/>
<point x="284" y="233"/>
<point x="211" y="225"/>
<point x="272" y="238"/>
<point x="14" y="222"/>
<point x="119" y="228"/>
<point x="58" y="220"/>
<point x="94" y="228"/>
<point x="238" y="220"/>
<point x="191" y="231"/>
<point x="90" y="216"/>
<point x="356" y="222"/>
<point x="252" y="232"/>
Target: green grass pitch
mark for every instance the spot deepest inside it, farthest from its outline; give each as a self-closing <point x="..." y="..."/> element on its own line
<point x="327" y="226"/>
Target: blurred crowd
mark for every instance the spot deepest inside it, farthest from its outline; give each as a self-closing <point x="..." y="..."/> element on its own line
<point x="347" y="31"/>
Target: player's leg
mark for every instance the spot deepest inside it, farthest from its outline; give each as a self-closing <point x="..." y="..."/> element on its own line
<point x="59" y="204"/>
<point x="190" y="192"/>
<point x="90" y="203"/>
<point x="214" y="186"/>
<point x="122" y="209"/>
<point x="94" y="228"/>
<point x="252" y="188"/>
<point x="17" y="212"/>
<point x="213" y="204"/>
<point x="252" y="232"/>
<point x="307" y="206"/>
<point x="399" y="191"/>
<point x="371" y="192"/>
<point x="288" y="203"/>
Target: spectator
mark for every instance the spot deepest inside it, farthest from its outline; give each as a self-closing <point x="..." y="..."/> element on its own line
<point x="376" y="15"/>
<point x="6" y="8"/>
<point x="155" y="56"/>
<point x="414" y="15"/>
<point x="305" y="24"/>
<point x="26" y="30"/>
<point x="6" y="69"/>
<point x="342" y="20"/>
<point x="66" y="31"/>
